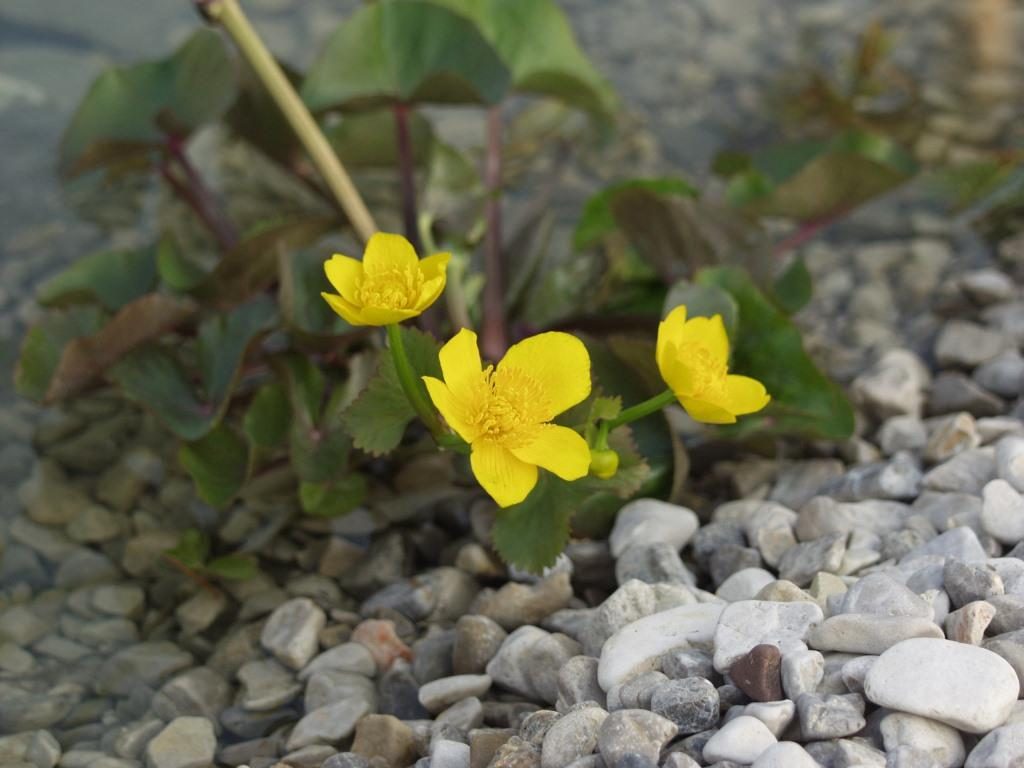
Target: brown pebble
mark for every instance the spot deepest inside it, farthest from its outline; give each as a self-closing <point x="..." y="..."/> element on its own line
<point x="387" y="737"/>
<point x="758" y="673"/>
<point x="380" y="639"/>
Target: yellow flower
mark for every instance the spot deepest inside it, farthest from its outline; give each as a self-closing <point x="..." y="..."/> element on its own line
<point x="389" y="285"/>
<point x="693" y="357"/>
<point x="503" y="412"/>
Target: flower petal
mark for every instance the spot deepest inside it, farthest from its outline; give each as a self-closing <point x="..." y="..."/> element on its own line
<point x="451" y="409"/>
<point x="460" y="364"/>
<point x="559" y="363"/>
<point x="349" y="311"/>
<point x="669" y="334"/>
<point x="507" y="479"/>
<point x="429" y="292"/>
<point x="557" y="449"/>
<point x="709" y="413"/>
<point x="345" y="274"/>
<point x="385" y="316"/>
<point x="708" y="332"/>
<point x="386" y="251"/>
<point x="677" y="372"/>
<point x="435" y="265"/>
<point x="744" y="394"/>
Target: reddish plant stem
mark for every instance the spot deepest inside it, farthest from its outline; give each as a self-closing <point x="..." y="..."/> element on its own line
<point x="407" y="176"/>
<point x="494" y="333"/>
<point x="183" y="178"/>
<point x="807" y="230"/>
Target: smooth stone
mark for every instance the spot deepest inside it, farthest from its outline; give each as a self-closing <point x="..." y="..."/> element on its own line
<point x="952" y="391"/>
<point x="777" y="715"/>
<point x="802" y="672"/>
<point x="266" y="685"/>
<point x="119" y="599"/>
<point x="346" y="657"/>
<point x="1002" y="512"/>
<point x="961" y="543"/>
<point x="1009" y="615"/>
<point x="758" y="673"/>
<point x="515" y="605"/>
<point x="967" y="344"/>
<point x="638" y="646"/>
<point x="440" y="694"/>
<point x="328" y="724"/>
<point x="967" y="472"/>
<point x="968" y="624"/>
<point x="880" y="594"/>
<point x="966" y="687"/>
<point x="869" y="633"/>
<point x="516" y="753"/>
<point x="146" y="663"/>
<point x="747" y="623"/>
<point x="741" y="740"/>
<point x="290" y="633"/>
<point x="633" y="600"/>
<point x="186" y="742"/>
<point x="897" y="478"/>
<point x="577" y="681"/>
<point x="477" y="640"/>
<point x="636" y="692"/>
<point x="901" y="433"/>
<point x="448" y="753"/>
<point x="508" y="668"/>
<point x="744" y="585"/>
<point x="823" y="515"/>
<point x="894" y="385"/>
<point x="782" y="591"/>
<point x="684" y="662"/>
<point x="785" y="754"/>
<point x="691" y="703"/>
<point x="657" y="563"/>
<point x="330" y="687"/>
<point x="200" y="692"/>
<point x="830" y="716"/>
<point x="645" y="522"/>
<point x="967" y="582"/>
<point x="1010" y="461"/>
<point x="633" y="731"/>
<point x="573" y="736"/>
<point x="1002" y="748"/>
<point x="941" y="742"/>
<point x="949" y="435"/>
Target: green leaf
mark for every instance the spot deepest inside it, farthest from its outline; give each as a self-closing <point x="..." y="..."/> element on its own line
<point x="405" y="51"/>
<point x="223" y="341"/>
<point x="44" y="344"/>
<point x="306" y="387"/>
<point x="301" y="279"/>
<point x="369" y="140"/>
<point x="598" y="218"/>
<point x="378" y="417"/>
<point x="535" y="41"/>
<point x="177" y="271"/>
<point x="319" y="454"/>
<point x="192" y="549"/>
<point x="218" y="464"/>
<point x="703" y="301"/>
<point x="233" y="567"/>
<point x="533" y="533"/>
<point x="133" y="108"/>
<point x="813" y="179"/>
<point x="112" y="278"/>
<point x="768" y="347"/>
<point x="267" y="420"/>
<point x="792" y="288"/>
<point x="334" y="498"/>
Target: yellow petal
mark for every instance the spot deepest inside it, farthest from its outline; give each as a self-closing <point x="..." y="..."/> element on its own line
<point x="429" y="292"/>
<point x="675" y="370"/>
<point x="744" y="394"/>
<point x="349" y="311"/>
<point x="709" y="413"/>
<point x="507" y="479"/>
<point x="345" y="274"/>
<point x="460" y="363"/>
<point x="435" y="265"/>
<point x="386" y="251"/>
<point x="559" y="363"/>
<point x="384" y="316"/>
<point x="557" y="449"/>
<point x="708" y="332"/>
<point x="450" y="408"/>
<point x="669" y="334"/>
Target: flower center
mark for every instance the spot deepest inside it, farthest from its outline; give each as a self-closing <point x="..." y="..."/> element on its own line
<point x="707" y="374"/>
<point x="391" y="288"/>
<point x="511" y="402"/>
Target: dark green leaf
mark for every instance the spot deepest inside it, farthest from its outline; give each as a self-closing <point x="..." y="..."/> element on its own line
<point x="233" y="567"/>
<point x="138" y="105"/>
<point x="301" y="279"/>
<point x="812" y="179"/>
<point x="306" y="386"/>
<point x="319" y="454"/>
<point x="369" y="140"/>
<point x="192" y="549"/>
<point x="113" y="278"/>
<point x="335" y="498"/>
<point x="153" y="378"/>
<point x="223" y="341"/>
<point x="44" y="344"/>
<point x="598" y="219"/>
<point x="218" y="463"/>
<point x="535" y="41"/>
<point x="269" y="415"/>
<point x="533" y="533"/>
<point x="792" y="289"/>
<point x="768" y="347"/>
<point x="176" y="270"/>
<point x="405" y="51"/>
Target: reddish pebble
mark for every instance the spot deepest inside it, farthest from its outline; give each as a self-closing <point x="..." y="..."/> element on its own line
<point x="758" y="673"/>
<point x="379" y="638"/>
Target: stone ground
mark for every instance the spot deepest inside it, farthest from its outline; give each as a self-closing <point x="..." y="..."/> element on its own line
<point x="861" y="605"/>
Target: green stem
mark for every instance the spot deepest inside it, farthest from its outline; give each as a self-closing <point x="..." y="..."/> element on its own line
<point x="412" y="386"/>
<point x="638" y="411"/>
<point x="229" y="14"/>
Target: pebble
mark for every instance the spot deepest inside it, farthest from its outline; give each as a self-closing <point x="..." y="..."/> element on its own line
<point x="758" y="673"/>
<point x="266" y="685"/>
<point x="894" y="385"/>
<point x="346" y="657"/>
<point x="880" y="594"/>
<point x="149" y="663"/>
<point x="477" y="639"/>
<point x="741" y="740"/>
<point x="577" y="681"/>
<point x="514" y="604"/>
<point x="441" y="694"/>
<point x="446" y="753"/>
<point x="967" y="472"/>
<point x="800" y="563"/>
<point x="967" y="582"/>
<point x="967" y="344"/>
<point x="777" y="715"/>
<point x="785" y="754"/>
<point x="869" y="633"/>
<point x="329" y="687"/>
<point x="645" y="522"/>
<point x="744" y="585"/>
<point x="968" y="624"/>
<point x="969" y="688"/>
<point x="942" y="743"/>
<point x="691" y="703"/>
<point x="752" y="622"/>
<point x="633" y="731"/>
<point x="327" y="724"/>
<point x="1009" y="460"/>
<point x="380" y="638"/>
<point x="573" y="736"/>
<point x="186" y="742"/>
<point x="1001" y="748"/>
<point x="1002" y="512"/>
<point x="802" y="672"/>
<point x="638" y="646"/>
<point x="830" y="716"/>
<point x="1003" y="375"/>
<point x="290" y="633"/>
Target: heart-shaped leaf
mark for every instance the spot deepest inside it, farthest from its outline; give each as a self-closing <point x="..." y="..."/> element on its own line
<point x="598" y="218"/>
<point x="112" y="278"/>
<point x="218" y="464"/>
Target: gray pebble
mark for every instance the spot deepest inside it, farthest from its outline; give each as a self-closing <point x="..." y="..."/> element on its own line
<point x="691" y="703"/>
